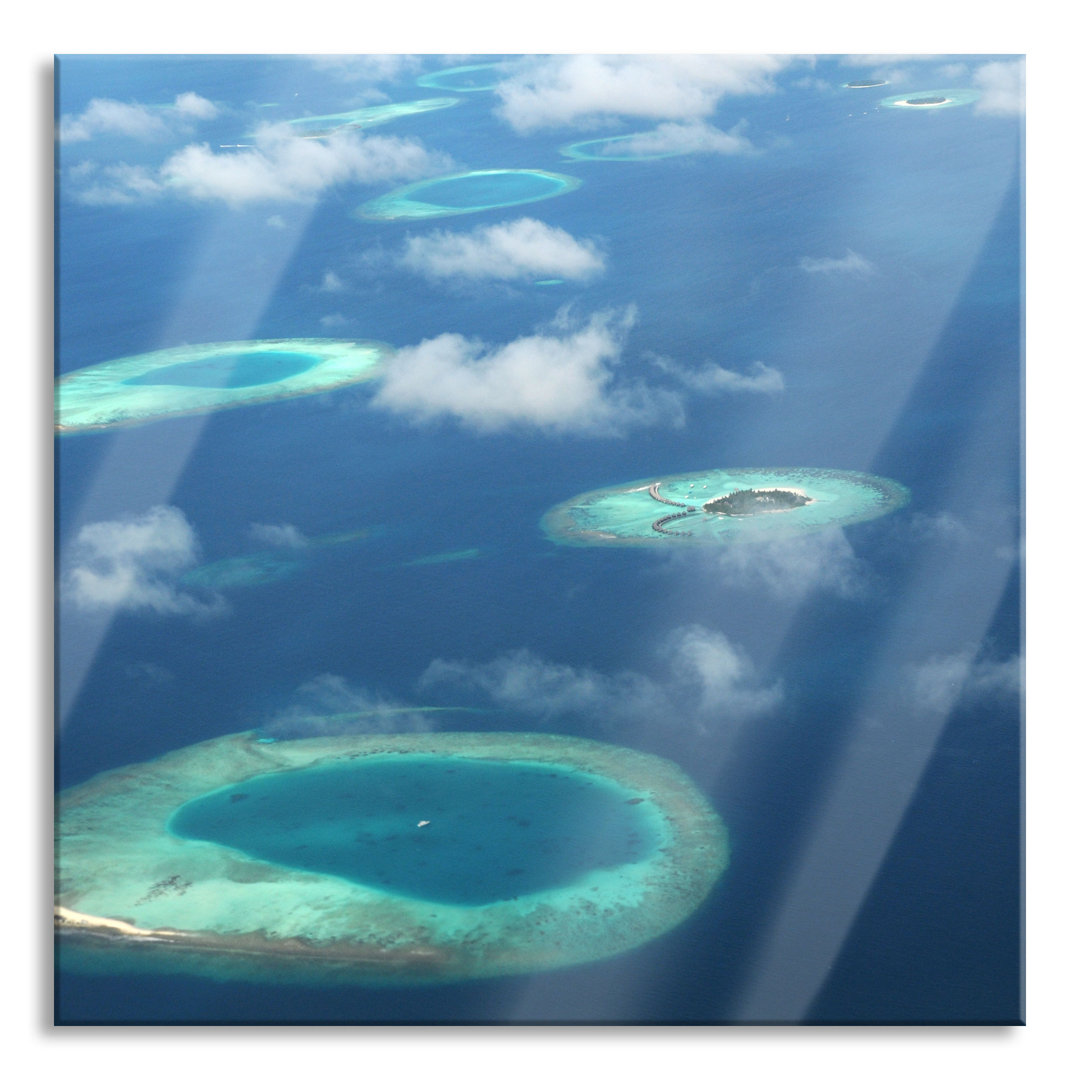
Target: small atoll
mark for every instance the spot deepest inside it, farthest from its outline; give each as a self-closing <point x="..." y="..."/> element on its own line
<point x="725" y="505"/>
<point x="931" y="99"/>
<point x="747" y="501"/>
<point x="319" y="127"/>
<point x="464" y="79"/>
<point x="466" y="193"/>
<point x="623" y="148"/>
<point x="864" y="84"/>
<point x="194" y="379"/>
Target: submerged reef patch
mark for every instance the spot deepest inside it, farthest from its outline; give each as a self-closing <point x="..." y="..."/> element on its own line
<point x="140" y="886"/>
<point x="318" y="127"/>
<point x="617" y="148"/>
<point x="467" y="193"/>
<point x="458" y="555"/>
<point x="464" y="79"/>
<point x="203" y="378"/>
<point x="242" y="571"/>
<point x="931" y="99"/>
<point x="695" y="507"/>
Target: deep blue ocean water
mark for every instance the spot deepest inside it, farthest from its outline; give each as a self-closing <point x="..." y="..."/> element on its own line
<point x="875" y="873"/>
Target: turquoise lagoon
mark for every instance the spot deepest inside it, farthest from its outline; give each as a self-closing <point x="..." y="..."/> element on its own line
<point x="445" y="829"/>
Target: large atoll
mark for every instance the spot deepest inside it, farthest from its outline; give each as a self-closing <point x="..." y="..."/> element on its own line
<point x="318" y="127"/>
<point x="690" y="507"/>
<point x="931" y="99"/>
<point x="409" y="858"/>
<point x="202" y="378"/>
<point x="466" y="193"/>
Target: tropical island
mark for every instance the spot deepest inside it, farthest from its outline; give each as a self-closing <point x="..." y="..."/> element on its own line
<point x="864" y="84"/>
<point x="742" y="505"/>
<point x="926" y="101"/>
<point x="748" y="501"/>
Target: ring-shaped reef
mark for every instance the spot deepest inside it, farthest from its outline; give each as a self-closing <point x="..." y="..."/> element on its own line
<point x="608" y="149"/>
<point x="691" y="507"/>
<point x="318" y="127"/>
<point x="467" y="193"/>
<point x="203" y="378"/>
<point x="463" y="79"/>
<point x="925" y="100"/>
<point x="402" y="858"/>
<point x="865" y="84"/>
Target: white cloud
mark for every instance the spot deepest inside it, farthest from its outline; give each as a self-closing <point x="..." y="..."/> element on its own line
<point x="876" y="59"/>
<point x="708" y="683"/>
<point x="287" y="536"/>
<point x="132" y="564"/>
<point x="941" y="682"/>
<point x="788" y="569"/>
<point x="190" y="104"/>
<point x="334" y="321"/>
<point x="104" y="116"/>
<point x="573" y="89"/>
<point x="684" y="138"/>
<point x="1003" y="86"/>
<point x="331" y="283"/>
<point x="372" y="67"/>
<point x="119" y="185"/>
<point x="851" y="263"/>
<point x="953" y="74"/>
<point x="942" y="526"/>
<point x="722" y="677"/>
<point x="559" y="381"/>
<point x="509" y="250"/>
<point x="712" y="378"/>
<point x="282" y="166"/>
<point x="330" y="705"/>
<point x="813" y="82"/>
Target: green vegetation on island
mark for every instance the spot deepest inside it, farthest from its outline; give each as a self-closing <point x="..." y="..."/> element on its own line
<point x="749" y="501"/>
<point x="927" y="101"/>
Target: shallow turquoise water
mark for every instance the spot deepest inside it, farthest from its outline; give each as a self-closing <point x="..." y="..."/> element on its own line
<point x="229" y="370"/>
<point x="494" y="189"/>
<point x="496" y="830"/>
<point x="472" y="77"/>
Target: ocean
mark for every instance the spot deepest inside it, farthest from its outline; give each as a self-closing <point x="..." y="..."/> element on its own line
<point x="848" y="703"/>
